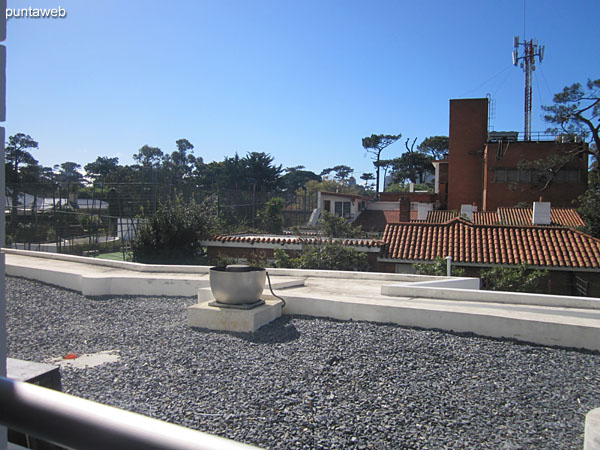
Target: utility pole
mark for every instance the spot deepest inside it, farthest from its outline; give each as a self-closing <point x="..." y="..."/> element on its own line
<point x="531" y="49"/>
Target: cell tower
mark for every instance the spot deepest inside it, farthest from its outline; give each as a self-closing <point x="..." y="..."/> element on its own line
<point x="531" y="49"/>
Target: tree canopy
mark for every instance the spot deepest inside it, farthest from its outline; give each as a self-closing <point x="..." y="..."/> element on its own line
<point x="374" y="145"/>
<point x="576" y="110"/>
<point x="437" y="147"/>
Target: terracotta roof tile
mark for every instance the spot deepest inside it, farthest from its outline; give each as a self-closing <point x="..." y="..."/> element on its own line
<point x="486" y="218"/>
<point x="479" y="217"/>
<point x="492" y="244"/>
<point x="293" y="240"/>
<point x="440" y="216"/>
<point x="568" y="217"/>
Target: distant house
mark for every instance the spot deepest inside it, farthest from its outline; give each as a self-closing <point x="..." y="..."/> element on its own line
<point x="348" y="206"/>
<point x="28" y="204"/>
<point x="371" y="214"/>
<point x="572" y="257"/>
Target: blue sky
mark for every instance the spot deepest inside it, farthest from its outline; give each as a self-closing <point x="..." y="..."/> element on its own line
<point x="304" y="81"/>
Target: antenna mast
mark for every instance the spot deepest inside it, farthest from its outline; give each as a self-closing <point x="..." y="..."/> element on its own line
<point x="531" y="49"/>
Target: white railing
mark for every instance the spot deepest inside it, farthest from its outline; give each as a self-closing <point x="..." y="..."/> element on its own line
<point x="82" y="424"/>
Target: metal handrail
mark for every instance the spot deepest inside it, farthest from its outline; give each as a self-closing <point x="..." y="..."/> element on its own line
<point x="77" y="423"/>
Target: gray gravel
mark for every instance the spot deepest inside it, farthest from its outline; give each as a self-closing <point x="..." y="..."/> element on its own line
<point x="305" y="383"/>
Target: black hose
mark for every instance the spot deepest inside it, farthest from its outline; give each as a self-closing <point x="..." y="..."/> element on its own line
<point x="274" y="295"/>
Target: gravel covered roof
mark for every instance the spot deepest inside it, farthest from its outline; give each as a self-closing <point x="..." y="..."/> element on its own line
<point x="306" y="383"/>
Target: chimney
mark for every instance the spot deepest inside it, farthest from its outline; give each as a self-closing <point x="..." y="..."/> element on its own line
<point x="404" y="209"/>
<point x="423" y="209"/>
<point x="541" y="213"/>
<point x="466" y="211"/>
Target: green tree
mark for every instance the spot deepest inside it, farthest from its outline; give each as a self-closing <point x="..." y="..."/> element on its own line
<point x="589" y="208"/>
<point x="149" y="156"/>
<point x="374" y="145"/>
<point x="260" y="167"/>
<point x="173" y="234"/>
<point x="437" y="147"/>
<point x="327" y="185"/>
<point x="342" y="172"/>
<point x="181" y="162"/>
<point x="103" y="167"/>
<point x="272" y="216"/>
<point x="296" y="178"/>
<point x="18" y="158"/>
<point x="338" y="227"/>
<point x="386" y="165"/>
<point x="366" y="177"/>
<point x="576" y="111"/>
<point x="513" y="279"/>
<point x="412" y="166"/>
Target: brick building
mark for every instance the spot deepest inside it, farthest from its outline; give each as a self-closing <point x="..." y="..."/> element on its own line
<point x="483" y="168"/>
<point x="571" y="257"/>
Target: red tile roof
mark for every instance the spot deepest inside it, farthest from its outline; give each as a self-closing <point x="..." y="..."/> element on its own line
<point x="376" y="220"/>
<point x="440" y="216"/>
<point x="486" y="218"/>
<point x="568" y="217"/>
<point x="479" y="218"/>
<point x="291" y="240"/>
<point x="492" y="244"/>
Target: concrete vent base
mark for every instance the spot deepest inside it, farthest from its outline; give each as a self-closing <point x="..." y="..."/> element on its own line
<point x="202" y="315"/>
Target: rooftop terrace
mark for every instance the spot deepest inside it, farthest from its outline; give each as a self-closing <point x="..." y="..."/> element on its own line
<point x="310" y="382"/>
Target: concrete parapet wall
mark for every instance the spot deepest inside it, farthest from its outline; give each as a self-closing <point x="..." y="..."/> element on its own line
<point x="428" y="290"/>
<point x="156" y="268"/>
<point x="533" y="329"/>
<point x="592" y="430"/>
<point x="138" y="267"/>
<point x="452" y="282"/>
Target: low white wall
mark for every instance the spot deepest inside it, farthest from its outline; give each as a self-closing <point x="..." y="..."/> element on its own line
<point x="592" y="430"/>
<point x="451" y="282"/>
<point x="126" y="265"/>
<point x="156" y="268"/>
<point x="544" y="332"/>
<point x="423" y="290"/>
<point x="98" y="285"/>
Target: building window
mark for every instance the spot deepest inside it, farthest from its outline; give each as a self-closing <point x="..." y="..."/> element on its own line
<point x="568" y="176"/>
<point x="327" y="205"/>
<point x="347" y="210"/>
<point x="509" y="175"/>
<point x="500" y="175"/>
<point x="343" y="209"/>
<point x="525" y="176"/>
<point x="512" y="175"/>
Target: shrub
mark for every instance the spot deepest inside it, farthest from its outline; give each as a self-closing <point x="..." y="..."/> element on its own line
<point x="272" y="216"/>
<point x="513" y="279"/>
<point x="338" y="227"/>
<point x="173" y="234"/>
<point x="438" y="268"/>
<point x="326" y="255"/>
